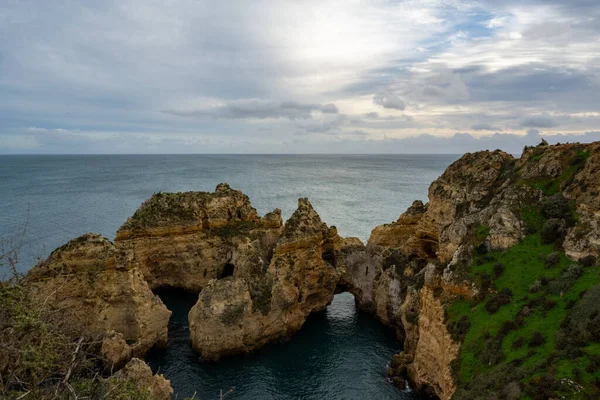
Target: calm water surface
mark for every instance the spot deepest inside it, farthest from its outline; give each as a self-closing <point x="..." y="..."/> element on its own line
<point x="339" y="353"/>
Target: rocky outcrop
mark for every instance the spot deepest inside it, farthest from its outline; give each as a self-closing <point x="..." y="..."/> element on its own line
<point x="247" y="310"/>
<point x="139" y="374"/>
<point x="583" y="240"/>
<point x="184" y="240"/>
<point x="98" y="289"/>
<point x="410" y="269"/>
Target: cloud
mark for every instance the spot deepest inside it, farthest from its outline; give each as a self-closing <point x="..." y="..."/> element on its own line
<point x="329" y="108"/>
<point x="430" y="67"/>
<point x="485" y="127"/>
<point x="389" y="100"/>
<point x="539" y="121"/>
<point x="259" y="109"/>
<point x="458" y="143"/>
<point x="358" y="132"/>
<point x="336" y="139"/>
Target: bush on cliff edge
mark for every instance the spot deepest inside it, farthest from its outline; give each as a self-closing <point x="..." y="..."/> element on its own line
<point x="40" y="357"/>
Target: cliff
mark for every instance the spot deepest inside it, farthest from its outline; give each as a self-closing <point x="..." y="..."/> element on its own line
<point x="271" y="301"/>
<point x="99" y="292"/>
<point x="490" y="285"/>
<point x="184" y="240"/>
<point x="258" y="279"/>
<point x="458" y="277"/>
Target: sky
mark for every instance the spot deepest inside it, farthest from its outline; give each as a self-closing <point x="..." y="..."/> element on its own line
<point x="193" y="76"/>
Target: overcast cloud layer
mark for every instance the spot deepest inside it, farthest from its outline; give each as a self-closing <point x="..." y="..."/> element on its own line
<point x="421" y="76"/>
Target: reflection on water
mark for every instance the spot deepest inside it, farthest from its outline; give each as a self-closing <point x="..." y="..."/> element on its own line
<point x="338" y="354"/>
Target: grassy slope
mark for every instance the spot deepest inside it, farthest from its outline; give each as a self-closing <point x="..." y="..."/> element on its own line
<point x="523" y="265"/>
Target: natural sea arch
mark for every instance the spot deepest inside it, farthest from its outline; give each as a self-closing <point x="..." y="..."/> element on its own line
<point x="340" y="353"/>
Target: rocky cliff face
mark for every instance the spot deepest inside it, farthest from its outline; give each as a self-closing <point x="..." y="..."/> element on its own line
<point x="270" y="301"/>
<point x="184" y="240"/>
<point x="98" y="289"/>
<point x="412" y="269"/>
<point x="139" y="373"/>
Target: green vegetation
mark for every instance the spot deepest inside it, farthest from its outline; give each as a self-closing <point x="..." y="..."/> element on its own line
<point x="511" y="333"/>
<point x="164" y="208"/>
<point x="42" y="356"/>
<point x="261" y="295"/>
<point x="234" y="229"/>
<point x="549" y="185"/>
<point x="232" y="313"/>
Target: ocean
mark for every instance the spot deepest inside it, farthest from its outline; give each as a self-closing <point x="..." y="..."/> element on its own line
<point x="338" y="354"/>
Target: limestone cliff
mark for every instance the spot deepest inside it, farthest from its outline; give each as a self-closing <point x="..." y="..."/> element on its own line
<point x="412" y="269"/>
<point x="184" y="240"/>
<point x="98" y="289"/>
<point x="262" y="304"/>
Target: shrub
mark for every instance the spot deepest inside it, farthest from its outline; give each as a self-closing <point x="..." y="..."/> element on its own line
<point x="519" y="342"/>
<point x="499" y="300"/>
<point x="491" y="353"/>
<point x="537" y="339"/>
<point x="549" y="304"/>
<point x="552" y="259"/>
<point x="486" y="283"/>
<point x="232" y="313"/>
<point x="498" y="269"/>
<point x="512" y="391"/>
<point x="543" y="388"/>
<point x="260" y="293"/>
<point x="535" y="286"/>
<point x="460" y="329"/>
<point x="556" y="206"/>
<point x="508" y="326"/>
<point x="588" y="261"/>
<point x="573" y="271"/>
<point x="552" y="230"/>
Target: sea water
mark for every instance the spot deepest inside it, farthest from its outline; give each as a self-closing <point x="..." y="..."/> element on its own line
<point x="340" y="353"/>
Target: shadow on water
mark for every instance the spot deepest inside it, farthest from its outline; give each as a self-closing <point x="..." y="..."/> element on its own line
<point x="339" y="353"/>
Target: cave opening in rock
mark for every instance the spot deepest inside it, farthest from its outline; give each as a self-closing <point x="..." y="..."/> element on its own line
<point x="227" y="270"/>
<point x="179" y="301"/>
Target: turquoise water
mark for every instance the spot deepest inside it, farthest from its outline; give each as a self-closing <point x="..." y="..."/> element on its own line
<point x="339" y="353"/>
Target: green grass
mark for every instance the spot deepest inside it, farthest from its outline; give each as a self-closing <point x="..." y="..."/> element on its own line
<point x="523" y="263"/>
<point x="551" y="186"/>
<point x="235" y="228"/>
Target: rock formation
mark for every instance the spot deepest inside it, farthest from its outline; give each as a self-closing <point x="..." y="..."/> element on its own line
<point x="258" y="279"/>
<point x="100" y="292"/>
<point x="270" y="301"/>
<point x="412" y="268"/>
<point x="139" y="373"/>
<point x="184" y="240"/>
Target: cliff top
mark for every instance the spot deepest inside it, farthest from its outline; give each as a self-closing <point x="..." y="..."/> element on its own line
<point x="201" y="209"/>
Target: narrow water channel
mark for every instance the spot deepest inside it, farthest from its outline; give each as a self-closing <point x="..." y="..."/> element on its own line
<point x="339" y="353"/>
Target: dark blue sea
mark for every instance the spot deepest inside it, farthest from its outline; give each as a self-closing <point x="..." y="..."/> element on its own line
<point x="338" y="354"/>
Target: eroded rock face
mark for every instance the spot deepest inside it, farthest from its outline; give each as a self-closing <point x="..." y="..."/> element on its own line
<point x="583" y="240"/>
<point x="410" y="269"/>
<point x="245" y="311"/>
<point x="99" y="289"/>
<point x="139" y="373"/>
<point x="184" y="240"/>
